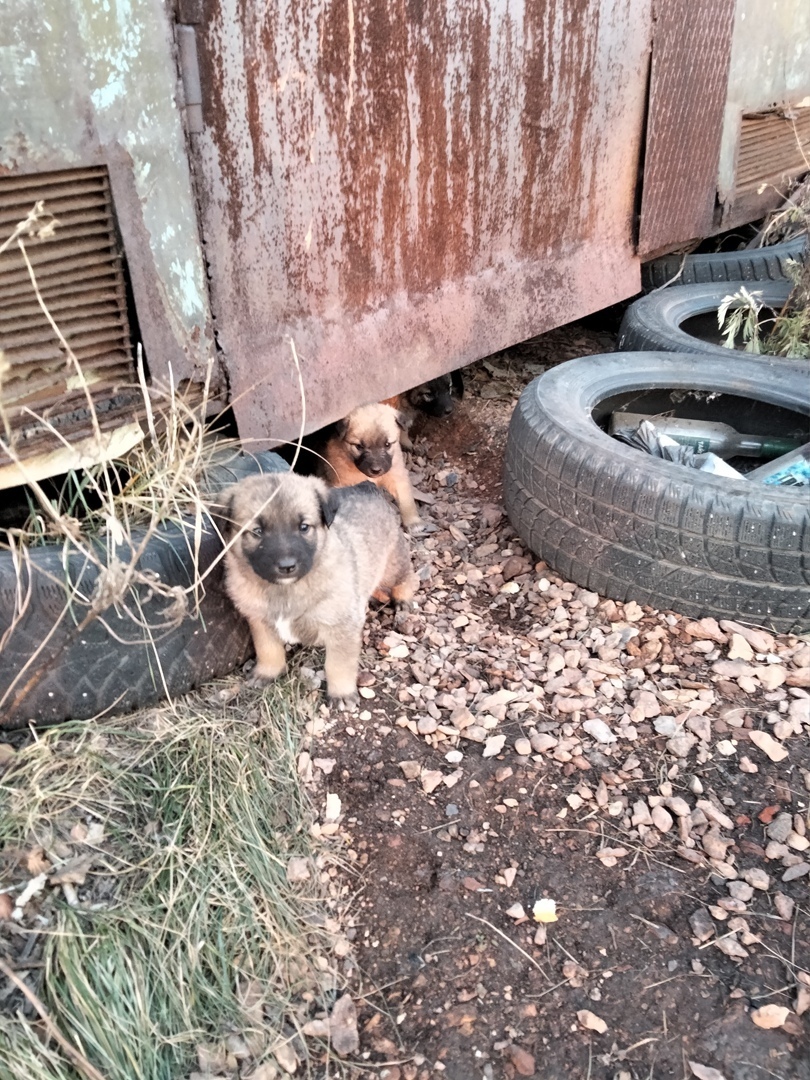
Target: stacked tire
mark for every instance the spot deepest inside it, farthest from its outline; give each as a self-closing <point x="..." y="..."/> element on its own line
<point x="634" y="527"/>
<point x="56" y="664"/>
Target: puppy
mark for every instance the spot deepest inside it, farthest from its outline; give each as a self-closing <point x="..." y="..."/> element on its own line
<point x="365" y="446"/>
<point x="434" y="398"/>
<point x="302" y="563"/>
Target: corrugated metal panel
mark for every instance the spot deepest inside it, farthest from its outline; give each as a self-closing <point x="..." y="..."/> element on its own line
<point x="774" y="147"/>
<point x="79" y="275"/>
<point x="688" y="80"/>
<point x="402" y="187"/>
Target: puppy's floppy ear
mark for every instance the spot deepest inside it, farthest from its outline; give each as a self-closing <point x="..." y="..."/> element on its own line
<point x="457" y="380"/>
<point x="329" y="502"/>
<point x="401" y="420"/>
<point x="341" y="427"/>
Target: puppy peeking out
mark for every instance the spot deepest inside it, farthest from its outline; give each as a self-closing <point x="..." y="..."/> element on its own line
<point x="302" y="564"/>
<point x="433" y="398"/>
<point x="365" y="446"/>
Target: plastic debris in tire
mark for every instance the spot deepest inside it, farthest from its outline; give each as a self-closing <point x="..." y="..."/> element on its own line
<point x="633" y="527"/>
<point x="685" y="320"/>
<point x="56" y="664"/>
<point x="755" y="264"/>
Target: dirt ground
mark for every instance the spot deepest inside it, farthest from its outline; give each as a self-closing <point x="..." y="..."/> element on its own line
<point x="522" y="739"/>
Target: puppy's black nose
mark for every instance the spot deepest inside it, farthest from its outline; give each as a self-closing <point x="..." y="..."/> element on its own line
<point x="375" y="470"/>
<point x="287" y="566"/>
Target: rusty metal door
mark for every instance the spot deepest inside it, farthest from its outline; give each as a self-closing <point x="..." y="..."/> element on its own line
<point x="401" y="187"/>
<point x="690" y="63"/>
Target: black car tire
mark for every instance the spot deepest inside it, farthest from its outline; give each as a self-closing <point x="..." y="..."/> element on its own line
<point x="756" y="264"/>
<point x="115" y="663"/>
<point x="655" y="322"/>
<point x="633" y="527"/>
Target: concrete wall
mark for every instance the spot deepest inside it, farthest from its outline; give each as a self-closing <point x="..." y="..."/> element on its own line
<point x="94" y="81"/>
<point x="770" y="65"/>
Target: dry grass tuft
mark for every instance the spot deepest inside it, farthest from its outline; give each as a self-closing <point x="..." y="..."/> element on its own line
<point x="185" y="938"/>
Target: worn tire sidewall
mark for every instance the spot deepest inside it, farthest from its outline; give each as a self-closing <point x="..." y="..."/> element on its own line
<point x="554" y="414"/>
<point x="654" y="322"/>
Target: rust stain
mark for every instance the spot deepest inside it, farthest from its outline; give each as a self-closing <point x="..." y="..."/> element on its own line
<point x="366" y="160"/>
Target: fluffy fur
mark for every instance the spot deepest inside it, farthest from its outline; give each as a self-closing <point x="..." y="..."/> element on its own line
<point x="303" y="562"/>
<point x="365" y="446"/>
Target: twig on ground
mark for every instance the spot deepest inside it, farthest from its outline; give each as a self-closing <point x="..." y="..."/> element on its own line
<point x="75" y="1055"/>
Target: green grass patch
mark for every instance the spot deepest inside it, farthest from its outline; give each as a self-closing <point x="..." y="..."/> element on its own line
<point x="185" y="930"/>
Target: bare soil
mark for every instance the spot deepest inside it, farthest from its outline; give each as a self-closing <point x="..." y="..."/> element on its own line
<point x="521" y="739"/>
<point x="454" y="980"/>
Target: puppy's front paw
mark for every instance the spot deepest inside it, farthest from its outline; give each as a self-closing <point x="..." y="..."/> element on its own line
<point x="345" y="702"/>
<point x="254" y="679"/>
<point x="258" y="678"/>
<point x="416" y="528"/>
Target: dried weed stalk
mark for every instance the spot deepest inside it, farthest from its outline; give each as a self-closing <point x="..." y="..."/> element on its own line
<point x="107" y="515"/>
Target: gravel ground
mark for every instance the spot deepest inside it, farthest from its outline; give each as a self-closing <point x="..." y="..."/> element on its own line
<point x="520" y="740"/>
<point x="564" y="837"/>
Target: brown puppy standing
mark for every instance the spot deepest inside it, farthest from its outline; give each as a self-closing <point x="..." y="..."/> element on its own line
<point x="303" y="563"/>
<point x="365" y="446"/>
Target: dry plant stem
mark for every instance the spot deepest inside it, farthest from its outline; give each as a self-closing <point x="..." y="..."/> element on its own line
<point x="229" y="544"/>
<point x="76" y="1056"/>
<point x="68" y="351"/>
<point x="514" y="944"/>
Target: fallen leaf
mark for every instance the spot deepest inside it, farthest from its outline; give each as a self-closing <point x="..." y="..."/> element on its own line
<point x="298" y="869"/>
<point x="705" y="1072"/>
<point x="472" y="884"/>
<point x="212" y="1058"/>
<point x="265" y="1071"/>
<point x="316" y="1029"/>
<point x="575" y="973"/>
<point x="36" y="862"/>
<point x="591" y="1021"/>
<point x="6" y="906"/>
<point x="770" y="1016"/>
<point x="522" y="1061"/>
<point x="73" y="872"/>
<point x="343" y="1027"/>
<point x="286" y="1057"/>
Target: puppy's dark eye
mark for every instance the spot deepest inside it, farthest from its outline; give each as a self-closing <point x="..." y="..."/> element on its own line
<point x="388" y="446"/>
<point x="256" y="530"/>
<point x="304" y="527"/>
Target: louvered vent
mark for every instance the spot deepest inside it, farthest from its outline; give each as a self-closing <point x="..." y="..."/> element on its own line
<point x="79" y="275"/>
<point x="774" y="147"/>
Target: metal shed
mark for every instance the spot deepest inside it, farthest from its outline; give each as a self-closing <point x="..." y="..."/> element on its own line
<point x="397" y="187"/>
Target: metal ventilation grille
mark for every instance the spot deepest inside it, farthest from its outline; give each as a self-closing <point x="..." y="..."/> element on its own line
<point x="80" y="278"/>
<point x="774" y="147"/>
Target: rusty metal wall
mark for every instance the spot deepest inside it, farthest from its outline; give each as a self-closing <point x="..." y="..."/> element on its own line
<point x="770" y="66"/>
<point x="86" y="84"/>
<point x="688" y="81"/>
<point x="403" y="187"/>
